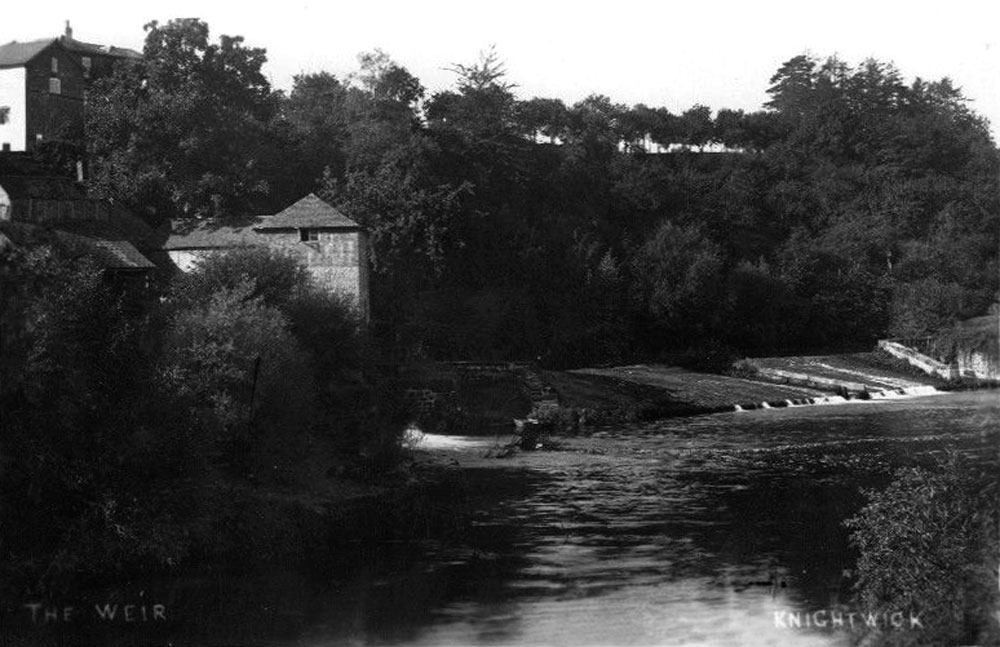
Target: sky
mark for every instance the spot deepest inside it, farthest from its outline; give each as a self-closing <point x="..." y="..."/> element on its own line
<point x="674" y="54"/>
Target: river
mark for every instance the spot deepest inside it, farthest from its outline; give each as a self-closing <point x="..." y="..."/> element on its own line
<point x="710" y="530"/>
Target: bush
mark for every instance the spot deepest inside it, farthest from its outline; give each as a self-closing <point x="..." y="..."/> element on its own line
<point x="745" y="369"/>
<point x="277" y="278"/>
<point x="328" y="328"/>
<point x="929" y="545"/>
<point x="214" y="353"/>
<point x="324" y="326"/>
<point x="89" y="436"/>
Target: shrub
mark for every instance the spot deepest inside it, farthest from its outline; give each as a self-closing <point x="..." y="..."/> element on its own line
<point x="929" y="545"/>
<point x="327" y="327"/>
<point x="212" y="353"/>
<point x="744" y="368"/>
<point x="277" y="278"/>
<point x="89" y="437"/>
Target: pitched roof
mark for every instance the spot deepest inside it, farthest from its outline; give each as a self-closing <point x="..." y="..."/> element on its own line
<point x="119" y="224"/>
<point x="107" y="254"/>
<point x="81" y="47"/>
<point x="41" y="187"/>
<point x="209" y="234"/>
<point x="309" y="212"/>
<point x="117" y="254"/>
<point x="15" y="54"/>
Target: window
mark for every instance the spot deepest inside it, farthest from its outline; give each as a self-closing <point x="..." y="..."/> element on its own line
<point x="86" y="62"/>
<point x="55" y="65"/>
<point x="306" y="235"/>
<point x="55" y="87"/>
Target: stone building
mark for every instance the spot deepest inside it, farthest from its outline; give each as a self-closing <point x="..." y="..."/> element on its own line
<point x="328" y="243"/>
<point x="43" y="87"/>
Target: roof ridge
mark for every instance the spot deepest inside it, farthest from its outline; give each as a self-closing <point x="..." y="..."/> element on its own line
<point x="30" y="42"/>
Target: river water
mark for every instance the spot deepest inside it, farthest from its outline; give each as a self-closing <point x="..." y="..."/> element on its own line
<point x="710" y="530"/>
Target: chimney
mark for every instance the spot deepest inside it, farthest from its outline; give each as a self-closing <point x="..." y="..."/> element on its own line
<point x="69" y="31"/>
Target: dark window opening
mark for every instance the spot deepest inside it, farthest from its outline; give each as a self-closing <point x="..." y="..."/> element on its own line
<point x="306" y="235"/>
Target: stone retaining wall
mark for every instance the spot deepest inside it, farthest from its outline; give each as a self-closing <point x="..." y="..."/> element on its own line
<point x="926" y="364"/>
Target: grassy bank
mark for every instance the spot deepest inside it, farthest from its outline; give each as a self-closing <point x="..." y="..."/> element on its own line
<point x="596" y="397"/>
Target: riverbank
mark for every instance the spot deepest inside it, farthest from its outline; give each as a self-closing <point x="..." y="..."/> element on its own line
<point x="594" y="397"/>
<point x="303" y="514"/>
<point x="627" y="535"/>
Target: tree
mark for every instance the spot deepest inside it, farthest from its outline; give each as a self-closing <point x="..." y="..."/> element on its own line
<point x="407" y="226"/>
<point x="394" y="93"/>
<point x="86" y="422"/>
<point x="678" y="274"/>
<point x="545" y="117"/>
<point x="323" y="323"/>
<point x="484" y="106"/>
<point x="182" y="132"/>
<point x="792" y="85"/>
<point x="383" y="119"/>
<point x="236" y="358"/>
<point x="316" y="111"/>
<point x="696" y="125"/>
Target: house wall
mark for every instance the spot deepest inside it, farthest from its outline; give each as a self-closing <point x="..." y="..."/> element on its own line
<point x="54" y="116"/>
<point x="14" y="96"/>
<point x="100" y="65"/>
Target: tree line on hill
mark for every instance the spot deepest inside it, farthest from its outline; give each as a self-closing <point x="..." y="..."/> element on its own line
<point x="853" y="205"/>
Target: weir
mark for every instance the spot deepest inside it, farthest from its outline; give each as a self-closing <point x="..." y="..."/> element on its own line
<point x="892" y="394"/>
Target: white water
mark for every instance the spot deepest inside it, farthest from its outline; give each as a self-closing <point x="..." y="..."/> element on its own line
<point x="899" y="394"/>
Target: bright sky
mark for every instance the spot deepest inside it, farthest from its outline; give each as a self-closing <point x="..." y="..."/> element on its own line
<point x="720" y="53"/>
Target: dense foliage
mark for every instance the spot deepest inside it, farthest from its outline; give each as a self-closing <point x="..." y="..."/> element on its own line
<point x="854" y="205"/>
<point x="929" y="546"/>
<point x="127" y="420"/>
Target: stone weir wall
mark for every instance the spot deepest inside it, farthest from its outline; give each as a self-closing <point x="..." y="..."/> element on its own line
<point x="969" y="363"/>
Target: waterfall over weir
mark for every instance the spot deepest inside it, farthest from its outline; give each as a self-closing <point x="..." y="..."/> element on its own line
<point x="888" y="394"/>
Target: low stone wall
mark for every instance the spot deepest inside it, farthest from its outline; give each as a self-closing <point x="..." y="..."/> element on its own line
<point x="927" y="364"/>
<point x="810" y="381"/>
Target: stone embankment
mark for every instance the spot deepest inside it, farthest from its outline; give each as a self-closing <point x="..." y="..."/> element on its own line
<point x="968" y="351"/>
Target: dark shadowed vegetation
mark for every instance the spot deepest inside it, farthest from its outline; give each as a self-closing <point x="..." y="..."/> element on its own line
<point x="930" y="545"/>
<point x="131" y="424"/>
<point x="854" y="205"/>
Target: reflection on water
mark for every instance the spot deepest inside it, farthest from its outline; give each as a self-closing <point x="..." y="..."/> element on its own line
<point x="700" y="531"/>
